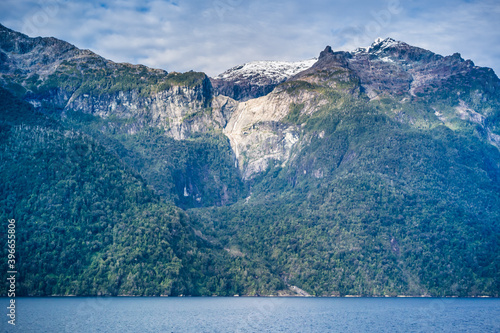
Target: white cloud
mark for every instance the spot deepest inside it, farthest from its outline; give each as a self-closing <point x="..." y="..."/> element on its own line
<point x="472" y="29"/>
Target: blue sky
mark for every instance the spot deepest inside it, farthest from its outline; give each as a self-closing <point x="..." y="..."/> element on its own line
<point x="214" y="35"/>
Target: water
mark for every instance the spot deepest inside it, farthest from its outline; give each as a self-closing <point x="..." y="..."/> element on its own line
<point x="253" y="314"/>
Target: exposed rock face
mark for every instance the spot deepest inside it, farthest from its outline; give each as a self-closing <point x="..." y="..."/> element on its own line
<point x="180" y="110"/>
<point x="332" y="71"/>
<point x="241" y="91"/>
<point x="59" y="74"/>
<point x="257" y="132"/>
<point x="251" y="103"/>
<point x="41" y="56"/>
<point x="395" y="67"/>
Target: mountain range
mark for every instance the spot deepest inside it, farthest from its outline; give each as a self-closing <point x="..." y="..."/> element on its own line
<point x="374" y="172"/>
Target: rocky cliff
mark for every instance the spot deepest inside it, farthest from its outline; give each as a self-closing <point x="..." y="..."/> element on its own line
<point x="389" y="72"/>
<point x="260" y="105"/>
<point x="55" y="76"/>
<point x="373" y="172"/>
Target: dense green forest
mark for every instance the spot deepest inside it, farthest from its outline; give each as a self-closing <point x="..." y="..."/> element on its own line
<point x="390" y="187"/>
<point x="391" y="210"/>
<point x="87" y="224"/>
<point x="197" y="172"/>
<point x="372" y="207"/>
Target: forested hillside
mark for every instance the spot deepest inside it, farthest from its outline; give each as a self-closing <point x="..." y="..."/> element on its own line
<point x="373" y="207"/>
<point x="374" y="172"/>
<point x="88" y="225"/>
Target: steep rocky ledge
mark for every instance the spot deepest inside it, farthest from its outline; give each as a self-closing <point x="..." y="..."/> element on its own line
<point x="181" y="110"/>
<point x="55" y="76"/>
<point x="258" y="133"/>
<point x="260" y="106"/>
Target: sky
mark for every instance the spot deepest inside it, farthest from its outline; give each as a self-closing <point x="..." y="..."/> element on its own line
<point x="214" y="35"/>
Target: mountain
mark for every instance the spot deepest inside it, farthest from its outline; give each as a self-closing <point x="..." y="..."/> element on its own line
<point x="412" y="82"/>
<point x="374" y="172"/>
<point x="87" y="224"/>
<point x="257" y="78"/>
<point x="111" y="100"/>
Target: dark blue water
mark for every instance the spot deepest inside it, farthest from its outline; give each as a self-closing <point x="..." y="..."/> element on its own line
<point x="215" y="314"/>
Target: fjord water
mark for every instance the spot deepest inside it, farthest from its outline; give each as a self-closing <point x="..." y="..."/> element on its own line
<point x="254" y="314"/>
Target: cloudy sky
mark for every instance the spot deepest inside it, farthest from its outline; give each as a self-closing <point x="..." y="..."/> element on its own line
<point x="214" y="35"/>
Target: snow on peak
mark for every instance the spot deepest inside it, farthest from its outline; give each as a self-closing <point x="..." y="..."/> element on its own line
<point x="361" y="50"/>
<point x="383" y="43"/>
<point x="276" y="71"/>
<point x="378" y="46"/>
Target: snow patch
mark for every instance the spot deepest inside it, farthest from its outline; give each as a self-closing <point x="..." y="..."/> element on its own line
<point x="381" y="44"/>
<point x="378" y="47"/>
<point x="277" y="71"/>
<point x="384" y="43"/>
<point x="361" y="50"/>
<point x="386" y="59"/>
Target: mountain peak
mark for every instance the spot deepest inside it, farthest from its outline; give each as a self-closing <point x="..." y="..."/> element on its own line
<point x="327" y="50"/>
<point x="276" y="70"/>
<point x="384" y="41"/>
<point x="381" y="44"/>
<point x="257" y="78"/>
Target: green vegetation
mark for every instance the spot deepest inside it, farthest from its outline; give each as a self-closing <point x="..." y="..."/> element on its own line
<point x="294" y="115"/>
<point x="88" y="225"/>
<point x="294" y="87"/>
<point x="383" y="209"/>
<point x="103" y="78"/>
<point x="197" y="172"/>
<point x="187" y="79"/>
<point x="375" y="206"/>
<point x="191" y="173"/>
<point x="396" y="195"/>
